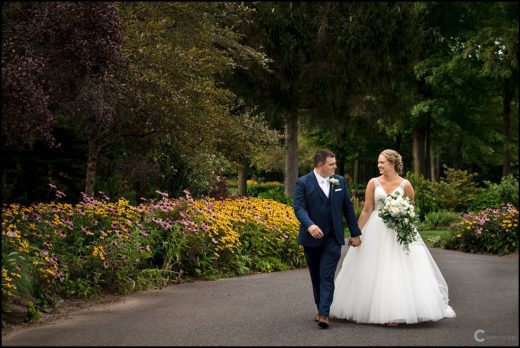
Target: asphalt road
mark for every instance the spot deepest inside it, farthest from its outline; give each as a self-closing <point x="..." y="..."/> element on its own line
<point x="277" y="309"/>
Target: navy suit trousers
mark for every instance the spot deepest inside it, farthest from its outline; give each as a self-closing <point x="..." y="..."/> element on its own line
<point x="322" y="261"/>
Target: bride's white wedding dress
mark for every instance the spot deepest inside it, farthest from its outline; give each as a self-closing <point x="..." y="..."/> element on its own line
<point x="380" y="283"/>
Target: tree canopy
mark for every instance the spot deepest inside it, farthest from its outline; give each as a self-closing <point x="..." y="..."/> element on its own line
<point x="130" y="98"/>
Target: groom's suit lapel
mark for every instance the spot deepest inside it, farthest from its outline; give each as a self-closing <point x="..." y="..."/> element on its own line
<point x="314" y="181"/>
<point x="331" y="192"/>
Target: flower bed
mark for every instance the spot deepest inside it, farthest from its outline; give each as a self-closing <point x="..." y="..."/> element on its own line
<point x="490" y="230"/>
<point x="57" y="250"/>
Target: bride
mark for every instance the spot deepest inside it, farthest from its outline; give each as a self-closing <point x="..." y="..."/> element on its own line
<point x="379" y="282"/>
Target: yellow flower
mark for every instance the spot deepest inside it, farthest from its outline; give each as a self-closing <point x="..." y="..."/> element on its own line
<point x="48" y="272"/>
<point x="99" y="252"/>
<point x="24" y="246"/>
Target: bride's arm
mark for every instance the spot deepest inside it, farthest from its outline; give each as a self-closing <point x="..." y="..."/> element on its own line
<point x="369" y="205"/>
<point x="409" y="191"/>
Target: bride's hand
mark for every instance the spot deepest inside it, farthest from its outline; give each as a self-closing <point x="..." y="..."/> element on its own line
<point x="354" y="241"/>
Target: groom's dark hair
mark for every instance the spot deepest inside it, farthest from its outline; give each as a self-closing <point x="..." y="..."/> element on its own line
<point x="322" y="155"/>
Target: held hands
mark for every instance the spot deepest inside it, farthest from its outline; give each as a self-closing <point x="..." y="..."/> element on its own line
<point x="354" y="241"/>
<point x="315" y="232"/>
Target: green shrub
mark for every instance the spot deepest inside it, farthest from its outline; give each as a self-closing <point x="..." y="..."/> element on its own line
<point x="488" y="197"/>
<point x="32" y="312"/>
<point x="269" y="264"/>
<point x="358" y="206"/>
<point x="254" y="188"/>
<point x="276" y="194"/>
<point x="176" y="252"/>
<point x="425" y="199"/>
<point x="433" y="237"/>
<point x="17" y="273"/>
<point x="456" y="191"/>
<point x="439" y="220"/>
<point x="495" y="195"/>
<point x="269" y="190"/>
<point x="508" y="190"/>
<point x="269" y="250"/>
<point x="78" y="288"/>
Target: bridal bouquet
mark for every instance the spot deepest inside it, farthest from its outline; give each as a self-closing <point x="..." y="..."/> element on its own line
<point x="399" y="214"/>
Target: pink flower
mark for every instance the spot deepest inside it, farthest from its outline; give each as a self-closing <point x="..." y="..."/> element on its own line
<point x="86" y="231"/>
<point x="163" y="194"/>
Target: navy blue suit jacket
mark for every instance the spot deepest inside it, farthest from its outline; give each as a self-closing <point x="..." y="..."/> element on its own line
<point x="310" y="208"/>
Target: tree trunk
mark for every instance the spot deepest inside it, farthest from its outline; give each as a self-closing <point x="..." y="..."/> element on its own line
<point x="242" y="177"/>
<point x="93" y="151"/>
<point x="3" y="190"/>
<point x="369" y="171"/>
<point x="433" y="167"/>
<point x="507" y="97"/>
<point x="426" y="148"/>
<point x="418" y="151"/>
<point x="437" y="166"/>
<point x="341" y="166"/>
<point x="291" y="152"/>
<point x="457" y="154"/>
<point x="398" y="142"/>
<point x="356" y="171"/>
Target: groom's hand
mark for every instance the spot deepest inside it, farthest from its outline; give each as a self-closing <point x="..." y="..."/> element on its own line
<point x="315" y="231"/>
<point x="354" y="241"/>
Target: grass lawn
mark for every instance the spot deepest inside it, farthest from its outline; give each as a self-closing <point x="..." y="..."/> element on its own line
<point x="429" y="236"/>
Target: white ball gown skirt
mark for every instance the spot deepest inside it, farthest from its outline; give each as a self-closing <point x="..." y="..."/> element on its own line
<point x="379" y="282"/>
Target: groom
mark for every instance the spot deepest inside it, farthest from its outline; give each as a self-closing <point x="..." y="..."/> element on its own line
<point x="320" y="201"/>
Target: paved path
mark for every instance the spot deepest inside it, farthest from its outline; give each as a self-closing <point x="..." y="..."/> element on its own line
<point x="277" y="309"/>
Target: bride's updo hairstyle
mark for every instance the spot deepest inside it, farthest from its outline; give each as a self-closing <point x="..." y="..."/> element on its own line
<point x="395" y="158"/>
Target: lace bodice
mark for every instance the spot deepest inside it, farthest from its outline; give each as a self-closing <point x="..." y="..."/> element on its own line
<point x="380" y="194"/>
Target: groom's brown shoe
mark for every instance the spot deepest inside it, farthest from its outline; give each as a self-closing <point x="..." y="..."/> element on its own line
<point x="317" y="317"/>
<point x="323" y="323"/>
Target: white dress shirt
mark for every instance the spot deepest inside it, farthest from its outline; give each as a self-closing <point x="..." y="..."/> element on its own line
<point x="324" y="183"/>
